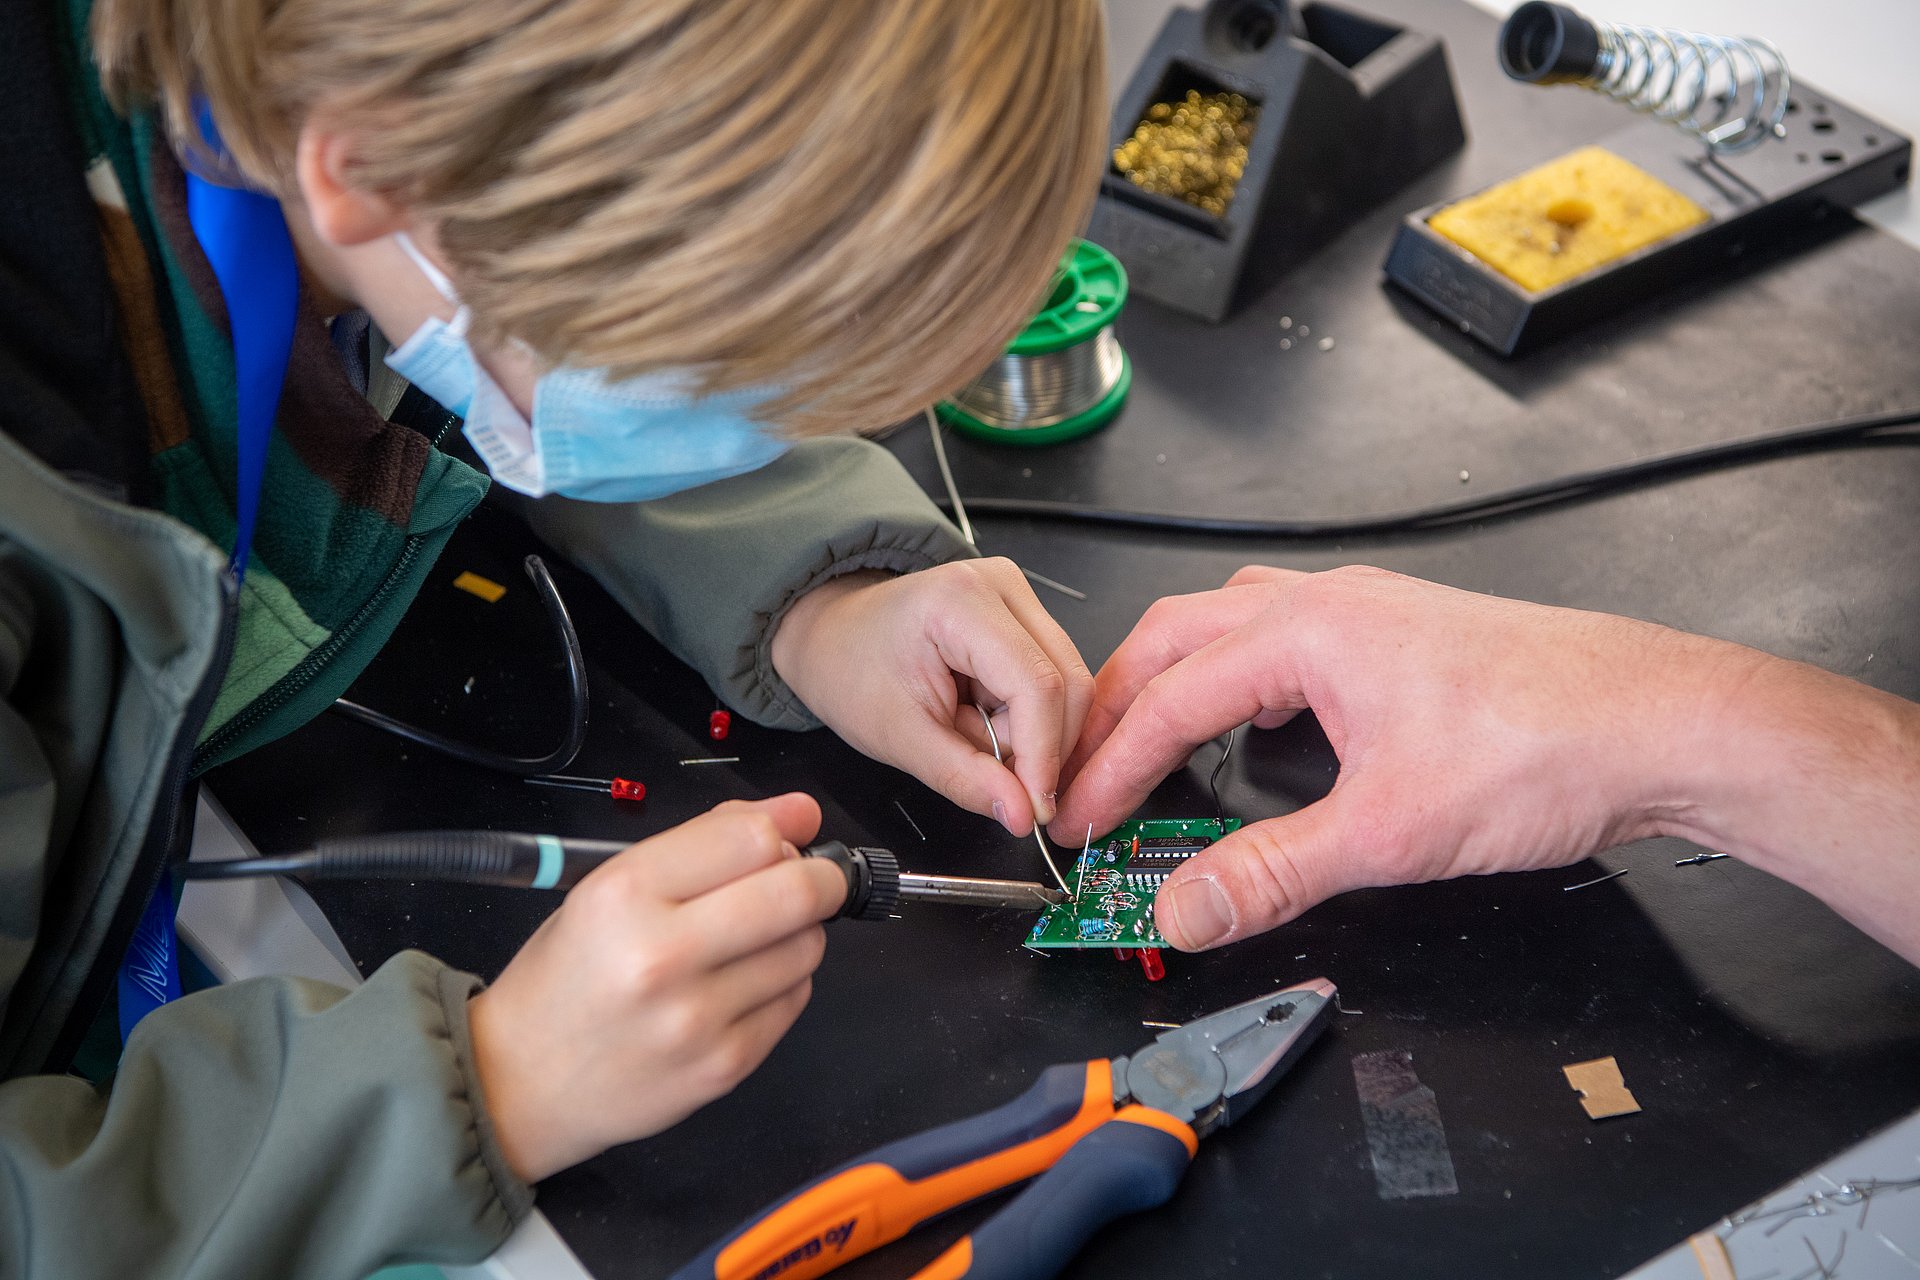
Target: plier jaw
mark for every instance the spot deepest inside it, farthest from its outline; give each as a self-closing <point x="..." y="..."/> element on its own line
<point x="1210" y="1071"/>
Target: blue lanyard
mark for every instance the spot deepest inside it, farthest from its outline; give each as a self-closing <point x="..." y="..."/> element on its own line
<point x="244" y="237"/>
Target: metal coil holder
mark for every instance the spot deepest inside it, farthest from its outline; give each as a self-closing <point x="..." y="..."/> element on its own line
<point x="1064" y="375"/>
<point x="1693" y="82"/>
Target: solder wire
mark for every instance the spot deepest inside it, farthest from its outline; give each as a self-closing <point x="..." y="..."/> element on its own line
<point x="1025" y="392"/>
<point x="1038" y="839"/>
<point x="960" y="510"/>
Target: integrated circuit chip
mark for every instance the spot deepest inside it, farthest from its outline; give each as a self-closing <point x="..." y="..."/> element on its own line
<point x="1116" y="880"/>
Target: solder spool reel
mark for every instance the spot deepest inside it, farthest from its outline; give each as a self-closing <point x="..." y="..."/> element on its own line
<point x="1349" y="110"/>
<point x="1064" y="375"/>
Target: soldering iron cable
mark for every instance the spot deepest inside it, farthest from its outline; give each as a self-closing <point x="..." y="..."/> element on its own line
<point x="1871" y="431"/>
<point x="528" y="766"/>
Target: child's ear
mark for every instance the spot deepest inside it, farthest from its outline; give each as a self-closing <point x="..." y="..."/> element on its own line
<point x="342" y="213"/>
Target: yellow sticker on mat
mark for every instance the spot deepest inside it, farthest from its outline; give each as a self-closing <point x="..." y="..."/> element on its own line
<point x="486" y="588"/>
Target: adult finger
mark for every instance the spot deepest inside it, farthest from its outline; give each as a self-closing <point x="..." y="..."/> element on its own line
<point x="1224" y="684"/>
<point x="1170" y="630"/>
<point x="1261" y="876"/>
<point x="1254" y="573"/>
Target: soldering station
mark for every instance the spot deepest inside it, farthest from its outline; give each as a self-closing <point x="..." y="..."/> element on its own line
<point x="1251" y="139"/>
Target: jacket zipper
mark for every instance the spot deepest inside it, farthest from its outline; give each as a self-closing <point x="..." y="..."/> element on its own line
<point x="310" y="666"/>
<point x="184" y="762"/>
<point x="158" y="849"/>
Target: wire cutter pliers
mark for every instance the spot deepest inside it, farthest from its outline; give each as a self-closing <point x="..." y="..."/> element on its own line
<point x="1108" y="1137"/>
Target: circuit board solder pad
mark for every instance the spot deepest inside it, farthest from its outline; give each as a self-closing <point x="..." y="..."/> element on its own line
<point x="1115" y="881"/>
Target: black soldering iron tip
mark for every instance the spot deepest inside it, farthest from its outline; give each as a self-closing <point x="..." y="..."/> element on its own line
<point x="1544" y="43"/>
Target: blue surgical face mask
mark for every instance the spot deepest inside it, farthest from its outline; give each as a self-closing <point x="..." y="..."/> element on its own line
<point x="590" y="438"/>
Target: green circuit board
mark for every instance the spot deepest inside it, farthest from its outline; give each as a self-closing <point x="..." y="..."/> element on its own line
<point x="1115" y="880"/>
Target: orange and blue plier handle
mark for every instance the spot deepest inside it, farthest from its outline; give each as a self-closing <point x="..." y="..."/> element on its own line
<point x="1100" y="1162"/>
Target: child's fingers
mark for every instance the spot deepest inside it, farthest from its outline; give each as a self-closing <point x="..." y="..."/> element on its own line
<point x="756" y="911"/>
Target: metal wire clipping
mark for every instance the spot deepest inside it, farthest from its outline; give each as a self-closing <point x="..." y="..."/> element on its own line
<point x="1026" y="392"/>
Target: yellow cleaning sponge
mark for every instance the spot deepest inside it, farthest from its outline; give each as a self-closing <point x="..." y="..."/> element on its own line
<point x="1566" y="217"/>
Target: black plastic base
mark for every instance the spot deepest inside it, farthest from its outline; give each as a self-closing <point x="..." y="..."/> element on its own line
<point x="1831" y="158"/>
<point x="1351" y="109"/>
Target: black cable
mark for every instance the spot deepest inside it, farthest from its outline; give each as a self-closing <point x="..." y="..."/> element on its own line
<point x="1213" y="781"/>
<point x="526" y="766"/>
<point x="286" y="864"/>
<point x="1878" y="429"/>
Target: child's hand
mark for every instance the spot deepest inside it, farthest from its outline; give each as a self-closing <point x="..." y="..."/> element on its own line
<point x="663" y="980"/>
<point x="897" y="665"/>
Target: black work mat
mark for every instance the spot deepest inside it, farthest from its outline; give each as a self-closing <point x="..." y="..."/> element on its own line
<point x="1759" y="1033"/>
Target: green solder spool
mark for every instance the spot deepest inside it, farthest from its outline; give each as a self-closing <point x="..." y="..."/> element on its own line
<point x="1065" y="374"/>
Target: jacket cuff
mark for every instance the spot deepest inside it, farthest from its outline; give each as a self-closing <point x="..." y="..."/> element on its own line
<point x="454" y="989"/>
<point x="761" y="693"/>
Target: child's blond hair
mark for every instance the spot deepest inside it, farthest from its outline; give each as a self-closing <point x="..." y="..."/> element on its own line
<point x="859" y="201"/>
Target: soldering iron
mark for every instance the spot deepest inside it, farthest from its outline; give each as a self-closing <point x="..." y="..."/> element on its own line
<point x="520" y="860"/>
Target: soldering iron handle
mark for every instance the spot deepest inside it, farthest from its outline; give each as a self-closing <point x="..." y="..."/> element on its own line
<point x="514" y="859"/>
<point x="872" y="875"/>
<point x="1133" y="1162"/>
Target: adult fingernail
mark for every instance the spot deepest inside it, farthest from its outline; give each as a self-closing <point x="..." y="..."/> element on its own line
<point x="1000" y="816"/>
<point x="1045" y="807"/>
<point x="1201" y="916"/>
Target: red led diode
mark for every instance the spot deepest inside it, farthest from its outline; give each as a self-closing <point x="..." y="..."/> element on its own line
<point x="618" y="788"/>
<point x="719" y="724"/>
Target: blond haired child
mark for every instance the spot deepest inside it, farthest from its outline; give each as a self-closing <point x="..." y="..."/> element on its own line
<point x="664" y="257"/>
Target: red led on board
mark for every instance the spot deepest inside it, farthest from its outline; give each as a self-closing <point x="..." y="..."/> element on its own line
<point x="1151" y="964"/>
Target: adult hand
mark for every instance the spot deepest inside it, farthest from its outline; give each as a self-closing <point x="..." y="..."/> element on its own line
<point x="897" y="666"/>
<point x="665" y="977"/>
<point x="1474" y="734"/>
